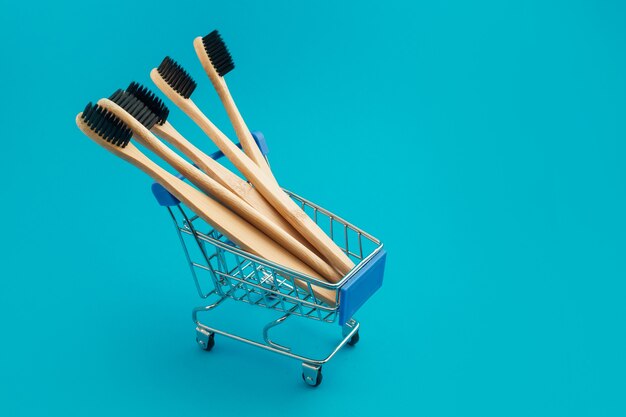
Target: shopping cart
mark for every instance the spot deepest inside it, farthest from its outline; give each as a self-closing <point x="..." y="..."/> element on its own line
<point x="238" y="275"/>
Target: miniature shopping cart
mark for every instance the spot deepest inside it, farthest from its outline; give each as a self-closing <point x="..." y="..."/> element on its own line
<point x="222" y="271"/>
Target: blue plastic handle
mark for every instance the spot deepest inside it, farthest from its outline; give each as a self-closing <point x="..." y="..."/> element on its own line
<point x="354" y="293"/>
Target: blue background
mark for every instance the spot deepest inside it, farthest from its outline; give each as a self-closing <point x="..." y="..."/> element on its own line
<point x="483" y="142"/>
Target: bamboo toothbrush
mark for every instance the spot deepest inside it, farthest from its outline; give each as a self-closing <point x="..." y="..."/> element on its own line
<point x="143" y="119"/>
<point x="212" y="168"/>
<point x="217" y="62"/>
<point x="177" y="85"/>
<point x="114" y="135"/>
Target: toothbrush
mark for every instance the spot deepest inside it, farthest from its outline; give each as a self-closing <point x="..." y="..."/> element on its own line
<point x="143" y="119"/>
<point x="217" y="62"/>
<point x="212" y="168"/>
<point x="178" y="86"/>
<point x="114" y="135"/>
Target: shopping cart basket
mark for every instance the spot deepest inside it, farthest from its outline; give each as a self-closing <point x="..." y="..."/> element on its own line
<point x="238" y="275"/>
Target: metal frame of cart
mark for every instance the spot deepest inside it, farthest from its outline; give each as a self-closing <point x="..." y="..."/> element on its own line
<point x="238" y="275"/>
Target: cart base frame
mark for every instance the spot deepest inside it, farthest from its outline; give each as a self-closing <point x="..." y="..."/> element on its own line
<point x="311" y="367"/>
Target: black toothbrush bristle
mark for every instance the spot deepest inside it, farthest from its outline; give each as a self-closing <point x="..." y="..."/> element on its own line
<point x="106" y="125"/>
<point x="135" y="108"/>
<point x="176" y="77"/>
<point x="218" y="53"/>
<point x="150" y="100"/>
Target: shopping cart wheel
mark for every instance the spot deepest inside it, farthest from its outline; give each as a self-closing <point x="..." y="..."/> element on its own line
<point x="311" y="374"/>
<point x="205" y="341"/>
<point x="354" y="339"/>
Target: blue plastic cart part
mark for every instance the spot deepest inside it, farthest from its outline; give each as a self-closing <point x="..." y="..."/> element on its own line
<point x="354" y="293"/>
<point x="165" y="198"/>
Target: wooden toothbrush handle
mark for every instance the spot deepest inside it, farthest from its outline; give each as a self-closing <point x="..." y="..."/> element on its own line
<point x="270" y="190"/>
<point x="241" y="130"/>
<point x="225" y="221"/>
<point x="222" y="194"/>
<point x="235" y="228"/>
<point x="207" y="164"/>
<point x="228" y="179"/>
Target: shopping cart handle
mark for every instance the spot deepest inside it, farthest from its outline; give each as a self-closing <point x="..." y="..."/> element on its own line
<point x="354" y="293"/>
<point x="165" y="198"/>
